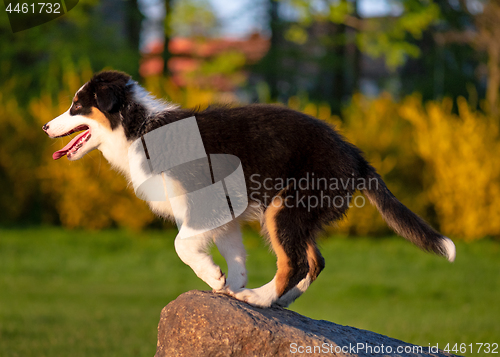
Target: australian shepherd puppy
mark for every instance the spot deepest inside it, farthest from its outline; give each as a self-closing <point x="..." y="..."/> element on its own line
<point x="300" y="175"/>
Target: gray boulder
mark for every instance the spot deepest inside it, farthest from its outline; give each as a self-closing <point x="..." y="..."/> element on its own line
<point x="200" y="323"/>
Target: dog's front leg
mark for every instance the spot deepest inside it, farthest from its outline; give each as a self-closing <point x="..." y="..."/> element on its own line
<point x="230" y="244"/>
<point x="193" y="251"/>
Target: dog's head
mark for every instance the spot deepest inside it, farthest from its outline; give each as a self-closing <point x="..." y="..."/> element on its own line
<point x="95" y="111"/>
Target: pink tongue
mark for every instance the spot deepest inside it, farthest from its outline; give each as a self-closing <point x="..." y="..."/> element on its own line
<point x="60" y="153"/>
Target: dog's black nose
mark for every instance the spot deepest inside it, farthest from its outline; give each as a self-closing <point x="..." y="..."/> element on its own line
<point x="45" y="127"/>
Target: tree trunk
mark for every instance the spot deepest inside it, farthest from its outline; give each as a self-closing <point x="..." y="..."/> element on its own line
<point x="357" y="55"/>
<point x="168" y="33"/>
<point x="339" y="67"/>
<point x="493" y="78"/>
<point x="273" y="54"/>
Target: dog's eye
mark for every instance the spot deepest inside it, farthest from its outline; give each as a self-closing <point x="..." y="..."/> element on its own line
<point x="77" y="106"/>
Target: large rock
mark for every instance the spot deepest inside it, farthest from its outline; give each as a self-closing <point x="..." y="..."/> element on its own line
<point x="200" y="323"/>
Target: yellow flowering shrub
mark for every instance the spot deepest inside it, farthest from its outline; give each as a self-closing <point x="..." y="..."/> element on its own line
<point x="18" y="157"/>
<point x="463" y="165"/>
<point x="442" y="165"/>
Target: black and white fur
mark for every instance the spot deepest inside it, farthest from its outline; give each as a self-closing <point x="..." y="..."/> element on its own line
<point x="272" y="142"/>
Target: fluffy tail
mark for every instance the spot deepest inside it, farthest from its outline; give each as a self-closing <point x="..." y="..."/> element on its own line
<point x="403" y="221"/>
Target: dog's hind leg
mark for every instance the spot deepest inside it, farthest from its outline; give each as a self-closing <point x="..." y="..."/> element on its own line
<point x="290" y="246"/>
<point x="230" y="245"/>
<point x="316" y="265"/>
<point x="193" y="251"/>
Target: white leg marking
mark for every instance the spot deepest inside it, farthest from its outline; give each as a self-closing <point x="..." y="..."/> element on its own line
<point x="264" y="296"/>
<point x="193" y="252"/>
<point x="230" y="245"/>
<point x="267" y="294"/>
<point x="294" y="293"/>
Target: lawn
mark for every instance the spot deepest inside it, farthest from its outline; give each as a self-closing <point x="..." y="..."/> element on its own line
<point x="78" y="293"/>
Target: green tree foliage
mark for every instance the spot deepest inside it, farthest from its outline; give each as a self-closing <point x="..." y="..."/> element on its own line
<point x="100" y="34"/>
<point x="193" y="18"/>
<point x="326" y="40"/>
<point x="483" y="37"/>
<point x="386" y="38"/>
<point x="445" y="68"/>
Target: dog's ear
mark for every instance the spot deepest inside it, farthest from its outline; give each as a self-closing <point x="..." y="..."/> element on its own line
<point x="107" y="101"/>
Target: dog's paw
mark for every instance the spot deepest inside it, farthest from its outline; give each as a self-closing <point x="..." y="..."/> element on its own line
<point x="252" y="297"/>
<point x="236" y="281"/>
<point x="217" y="283"/>
<point x="225" y="291"/>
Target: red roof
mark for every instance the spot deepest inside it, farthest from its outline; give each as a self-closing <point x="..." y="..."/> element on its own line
<point x="254" y="47"/>
<point x="189" y="54"/>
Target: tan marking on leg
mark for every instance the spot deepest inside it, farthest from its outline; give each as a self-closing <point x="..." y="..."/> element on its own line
<point x="99" y="117"/>
<point x="283" y="262"/>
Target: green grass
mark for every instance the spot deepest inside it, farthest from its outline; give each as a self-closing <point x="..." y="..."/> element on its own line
<point x="100" y="294"/>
